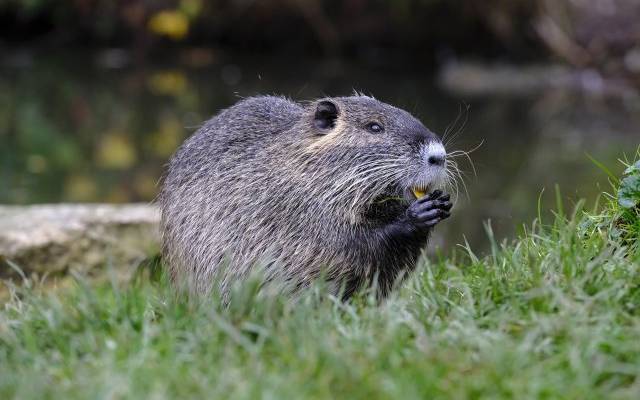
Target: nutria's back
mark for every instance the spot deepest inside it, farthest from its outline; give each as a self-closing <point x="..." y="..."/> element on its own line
<point x="335" y="186"/>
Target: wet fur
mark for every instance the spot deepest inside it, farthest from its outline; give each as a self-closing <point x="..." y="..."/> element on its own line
<point x="260" y="183"/>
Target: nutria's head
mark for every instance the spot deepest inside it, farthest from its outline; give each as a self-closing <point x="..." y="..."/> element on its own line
<point x="386" y="157"/>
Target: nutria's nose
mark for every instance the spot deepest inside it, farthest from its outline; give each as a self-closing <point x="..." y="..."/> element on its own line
<point x="434" y="154"/>
<point x="436" y="160"/>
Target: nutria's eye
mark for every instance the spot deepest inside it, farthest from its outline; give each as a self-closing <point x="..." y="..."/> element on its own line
<point x="374" y="127"/>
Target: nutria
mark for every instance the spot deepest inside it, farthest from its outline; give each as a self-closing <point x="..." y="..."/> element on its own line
<point x="342" y="188"/>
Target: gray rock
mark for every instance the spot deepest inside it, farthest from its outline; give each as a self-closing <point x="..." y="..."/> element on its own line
<point x="47" y="239"/>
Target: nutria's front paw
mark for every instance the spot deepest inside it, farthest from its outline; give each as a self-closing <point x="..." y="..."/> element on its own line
<point x="427" y="211"/>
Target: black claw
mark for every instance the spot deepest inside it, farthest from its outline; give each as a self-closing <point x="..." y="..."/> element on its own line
<point x="436" y="204"/>
<point x="431" y="196"/>
<point x="446" y="206"/>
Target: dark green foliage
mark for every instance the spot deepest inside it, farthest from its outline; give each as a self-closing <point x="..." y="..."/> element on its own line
<point x="629" y="192"/>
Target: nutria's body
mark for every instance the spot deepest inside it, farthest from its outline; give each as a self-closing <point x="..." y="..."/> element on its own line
<point x="328" y="188"/>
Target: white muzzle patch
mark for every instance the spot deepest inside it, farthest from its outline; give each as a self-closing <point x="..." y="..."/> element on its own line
<point x="433" y="150"/>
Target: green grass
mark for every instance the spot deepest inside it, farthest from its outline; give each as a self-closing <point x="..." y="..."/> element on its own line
<point x="554" y="313"/>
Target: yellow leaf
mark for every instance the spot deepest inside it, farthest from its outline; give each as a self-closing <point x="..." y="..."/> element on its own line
<point x="171" y="23"/>
<point x="116" y="152"/>
<point x="167" y="83"/>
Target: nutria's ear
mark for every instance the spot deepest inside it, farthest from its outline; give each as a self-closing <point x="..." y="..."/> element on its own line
<point x="325" y="116"/>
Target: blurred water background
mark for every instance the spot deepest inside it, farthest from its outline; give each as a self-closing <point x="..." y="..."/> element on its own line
<point x="95" y="96"/>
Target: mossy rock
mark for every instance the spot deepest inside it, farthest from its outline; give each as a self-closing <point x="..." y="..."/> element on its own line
<point x="53" y="239"/>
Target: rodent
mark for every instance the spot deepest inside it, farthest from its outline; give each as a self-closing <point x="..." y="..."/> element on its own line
<point x="342" y="188"/>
